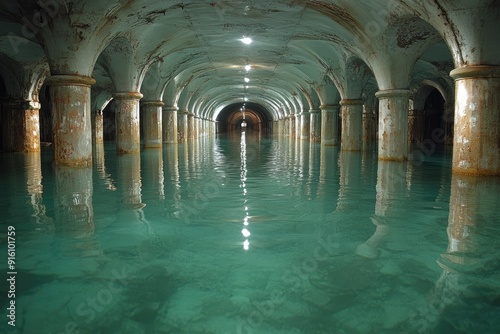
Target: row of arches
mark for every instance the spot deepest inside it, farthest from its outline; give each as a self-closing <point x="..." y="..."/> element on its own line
<point x="305" y="56"/>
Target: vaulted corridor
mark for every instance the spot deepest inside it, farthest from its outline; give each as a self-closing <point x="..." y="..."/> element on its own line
<point x="354" y="147"/>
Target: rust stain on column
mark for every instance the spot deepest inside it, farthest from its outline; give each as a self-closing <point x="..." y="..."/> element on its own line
<point x="70" y="95"/>
<point x="476" y="147"/>
<point x="21" y="126"/>
<point x="127" y="122"/>
<point x="393" y="125"/>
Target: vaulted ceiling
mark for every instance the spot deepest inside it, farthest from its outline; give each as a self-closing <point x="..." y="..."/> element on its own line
<point x="193" y="55"/>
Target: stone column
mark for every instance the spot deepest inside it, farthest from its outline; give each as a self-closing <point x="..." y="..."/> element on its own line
<point x="305" y="125"/>
<point x="71" y="123"/>
<point x="98" y="128"/>
<point x="21" y="126"/>
<point x="127" y="122"/>
<point x="476" y="144"/>
<point x="191" y="126"/>
<point x="286" y="126"/>
<point x="352" y="112"/>
<point x="183" y="126"/>
<point x="152" y="123"/>
<point x="393" y="125"/>
<point x="415" y="126"/>
<point x="448" y="119"/>
<point x="368" y="125"/>
<point x="329" y="124"/>
<point x="315" y="125"/>
<point x="197" y="133"/>
<point x="169" y="125"/>
<point x="293" y="126"/>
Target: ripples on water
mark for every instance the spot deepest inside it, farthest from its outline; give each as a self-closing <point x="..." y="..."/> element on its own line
<point x="248" y="234"/>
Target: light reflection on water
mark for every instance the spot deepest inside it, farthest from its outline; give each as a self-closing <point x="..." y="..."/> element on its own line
<point x="247" y="234"/>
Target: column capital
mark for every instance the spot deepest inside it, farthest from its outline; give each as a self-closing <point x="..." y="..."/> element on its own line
<point x="127" y="95"/>
<point x="314" y="111"/>
<point x="352" y="102"/>
<point x="170" y="108"/>
<point x="392" y="93"/>
<point x="156" y="103"/>
<point x="330" y="107"/>
<point x="21" y="104"/>
<point x="183" y="112"/>
<point x="476" y="71"/>
<point x="69" y="80"/>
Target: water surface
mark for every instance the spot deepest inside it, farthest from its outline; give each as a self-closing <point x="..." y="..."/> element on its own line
<point x="250" y="234"/>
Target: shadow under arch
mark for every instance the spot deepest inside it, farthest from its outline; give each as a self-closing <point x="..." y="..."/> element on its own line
<point x="253" y="115"/>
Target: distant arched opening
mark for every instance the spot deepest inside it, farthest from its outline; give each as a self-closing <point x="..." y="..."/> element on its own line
<point x="244" y="116"/>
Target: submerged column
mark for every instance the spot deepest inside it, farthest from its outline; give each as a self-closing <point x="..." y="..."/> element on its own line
<point x="183" y="126"/>
<point x="369" y="129"/>
<point x="73" y="204"/>
<point x="315" y="125"/>
<point x="127" y="122"/>
<point x="329" y="124"/>
<point x="152" y="123"/>
<point x="415" y="126"/>
<point x="476" y="144"/>
<point x="448" y="122"/>
<point x="71" y="123"/>
<point x="293" y="126"/>
<point x="97" y="128"/>
<point x="393" y="125"/>
<point x="21" y="126"/>
<point x="352" y="130"/>
<point x="191" y="126"/>
<point x="305" y="125"/>
<point x="169" y="124"/>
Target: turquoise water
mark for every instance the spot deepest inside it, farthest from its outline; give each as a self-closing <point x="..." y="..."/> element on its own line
<point x="250" y="234"/>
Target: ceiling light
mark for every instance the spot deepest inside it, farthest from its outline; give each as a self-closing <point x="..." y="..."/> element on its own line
<point x="247" y="80"/>
<point x="246" y="40"/>
<point x="248" y="67"/>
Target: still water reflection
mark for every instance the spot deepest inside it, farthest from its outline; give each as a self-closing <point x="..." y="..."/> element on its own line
<point x="249" y="234"/>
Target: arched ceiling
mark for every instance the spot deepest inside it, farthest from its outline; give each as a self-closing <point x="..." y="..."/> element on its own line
<point x="191" y="54"/>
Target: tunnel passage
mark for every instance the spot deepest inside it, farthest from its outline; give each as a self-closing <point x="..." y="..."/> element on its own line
<point x="244" y="116"/>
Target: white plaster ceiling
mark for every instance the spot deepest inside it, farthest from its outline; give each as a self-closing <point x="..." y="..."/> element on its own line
<point x="189" y="53"/>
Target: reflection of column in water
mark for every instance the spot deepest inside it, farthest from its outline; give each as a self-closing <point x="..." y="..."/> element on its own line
<point x="391" y="184"/>
<point x="328" y="177"/>
<point x="472" y="218"/>
<point x="467" y="194"/>
<point x="313" y="172"/>
<point x="34" y="186"/>
<point x="100" y="166"/>
<point x="153" y="178"/>
<point x="349" y="181"/>
<point x="391" y="180"/>
<point x="369" y="162"/>
<point x="303" y="168"/>
<point x="73" y="210"/>
<point x="129" y="180"/>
